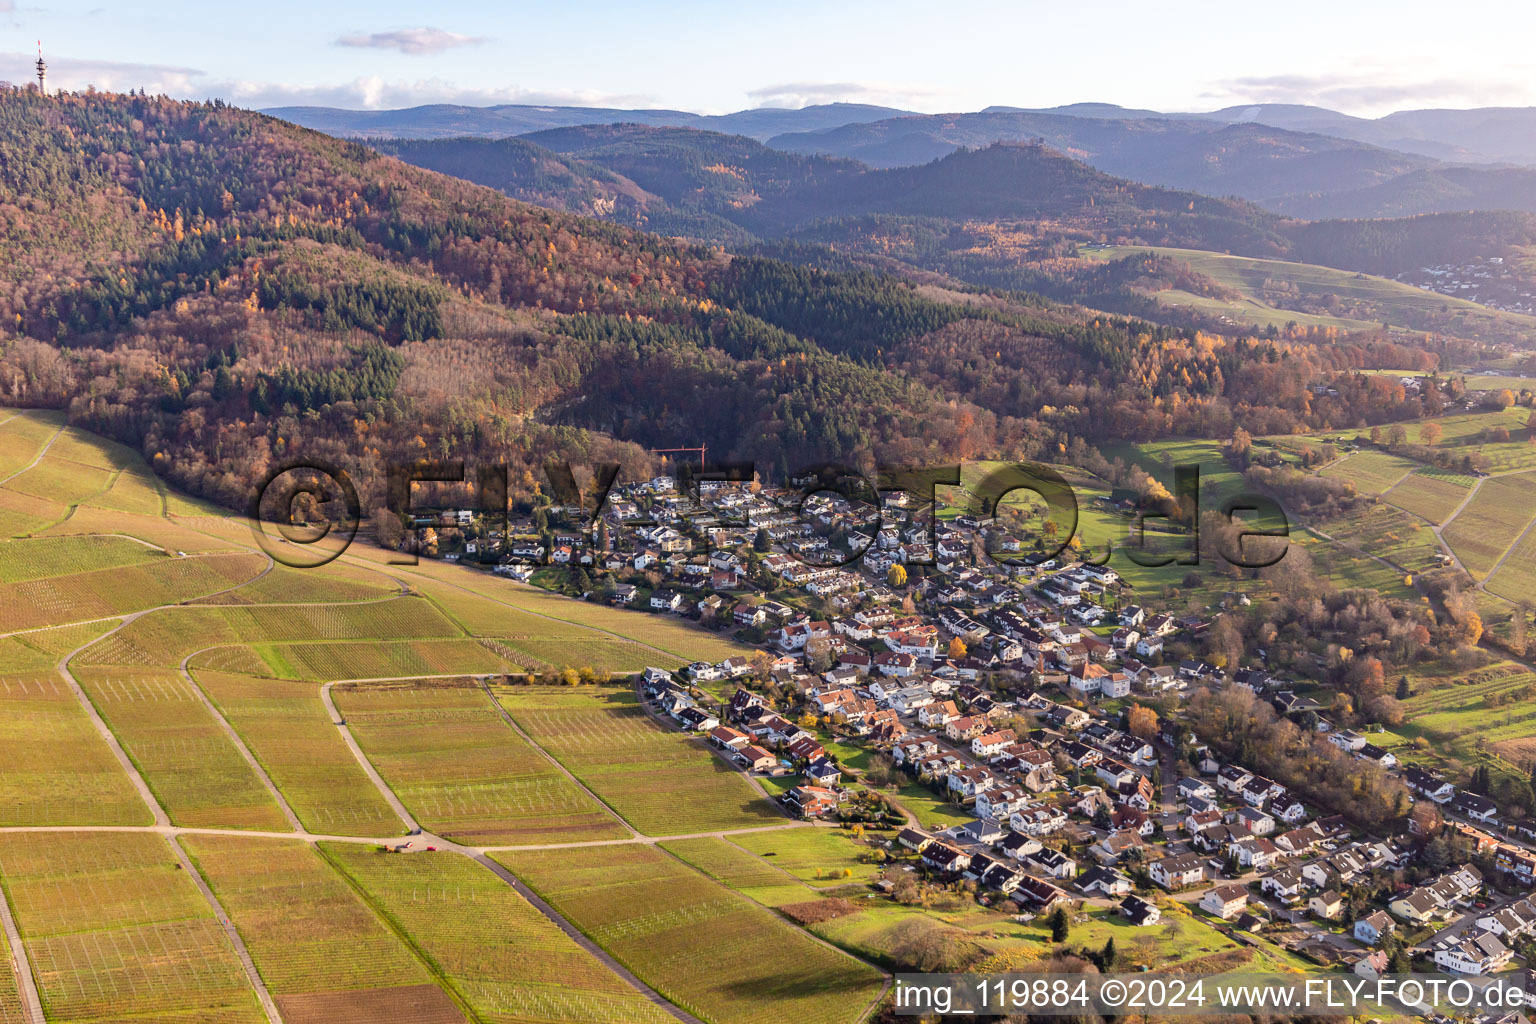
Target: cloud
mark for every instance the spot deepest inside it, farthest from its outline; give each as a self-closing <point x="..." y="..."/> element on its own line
<point x="1370" y="92"/>
<point x="375" y="93"/>
<point x="367" y="93"/>
<point x="804" y="94"/>
<point x="414" y="41"/>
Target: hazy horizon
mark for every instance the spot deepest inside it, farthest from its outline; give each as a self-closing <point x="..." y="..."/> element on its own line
<point x="1182" y="57"/>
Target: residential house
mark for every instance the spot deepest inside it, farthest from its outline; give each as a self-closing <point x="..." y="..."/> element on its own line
<point x="946" y="859"/>
<point x="1037" y="819"/>
<point x="1141" y="913"/>
<point x="1478" y="954"/>
<point x="1285" y="885"/>
<point x="755" y="758"/>
<point x="1225" y="901"/>
<point x="1112" y="848"/>
<point x="1326" y="905"/>
<point x="1178" y="872"/>
<point x="1052" y="863"/>
<point x="1428" y="784"/>
<point x="1104" y="881"/>
<point x="991" y="743"/>
<point x="1416" y="907"/>
<point x="1370" y="928"/>
<point x="811" y="801"/>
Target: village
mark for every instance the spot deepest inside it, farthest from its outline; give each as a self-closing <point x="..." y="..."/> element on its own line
<point x="1022" y="694"/>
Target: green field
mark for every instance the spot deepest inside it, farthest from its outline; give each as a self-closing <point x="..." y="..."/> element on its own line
<point x="1370" y="301"/>
<point x="820" y="856"/>
<point x="504" y="960"/>
<point x="1372" y="472"/>
<point x="1465" y="715"/>
<point x="660" y="781"/>
<point x="706" y="948"/>
<point x="322" y="952"/>
<point x="1475" y="381"/>
<point x="286" y="727"/>
<point x="755" y="878"/>
<point x="464" y="773"/>
<point x="932" y="811"/>
<point x="117" y="932"/>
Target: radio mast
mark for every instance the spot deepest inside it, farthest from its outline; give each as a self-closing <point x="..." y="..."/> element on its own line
<point x="42" y="70"/>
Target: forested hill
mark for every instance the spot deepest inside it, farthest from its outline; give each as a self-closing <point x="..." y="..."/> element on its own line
<point x="225" y="290"/>
<point x="729" y="189"/>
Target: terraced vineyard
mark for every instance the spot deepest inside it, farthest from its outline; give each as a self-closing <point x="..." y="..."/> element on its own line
<point x="23" y="560"/>
<point x="662" y="782"/>
<point x="1431" y="496"/>
<point x="1386" y="532"/>
<point x="361" y="659"/>
<point x="501" y="958"/>
<point x="39" y="650"/>
<point x="708" y="949"/>
<point x="1495" y="519"/>
<point x="190" y="763"/>
<point x="322" y="952"/>
<point x="1372" y="472"/>
<point x="446" y="751"/>
<point x="54" y="767"/>
<point x="106" y="592"/>
<point x="10" y="996"/>
<point x="288" y="729"/>
<point x="116" y="931"/>
<point x="1516" y="578"/>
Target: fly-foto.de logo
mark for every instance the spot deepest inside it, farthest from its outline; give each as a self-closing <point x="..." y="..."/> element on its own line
<point x="307" y="512"/>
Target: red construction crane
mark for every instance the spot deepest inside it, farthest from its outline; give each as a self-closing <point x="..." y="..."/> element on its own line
<point x="701" y="449"/>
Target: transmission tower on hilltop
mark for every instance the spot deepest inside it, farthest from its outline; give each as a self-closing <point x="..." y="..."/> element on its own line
<point x="42" y="70"/>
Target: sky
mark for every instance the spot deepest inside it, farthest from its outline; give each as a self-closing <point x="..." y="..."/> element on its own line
<point x="1364" y="57"/>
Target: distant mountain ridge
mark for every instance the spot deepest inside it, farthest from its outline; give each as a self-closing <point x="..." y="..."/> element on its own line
<point x="447" y="120"/>
<point x="1292" y="159"/>
<point x="730" y="190"/>
<point x="1246" y="159"/>
<point x="1476" y="135"/>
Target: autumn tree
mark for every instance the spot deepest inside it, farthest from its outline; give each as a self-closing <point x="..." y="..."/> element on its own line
<point x="957" y="649"/>
<point x="1141" y="721"/>
<point x="896" y="576"/>
<point x="1430" y="434"/>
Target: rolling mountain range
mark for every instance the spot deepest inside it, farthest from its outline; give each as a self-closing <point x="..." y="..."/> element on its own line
<point x="447" y="120"/>
<point x="1292" y="159"/>
<point x="730" y="190"/>
<point x="225" y="291"/>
